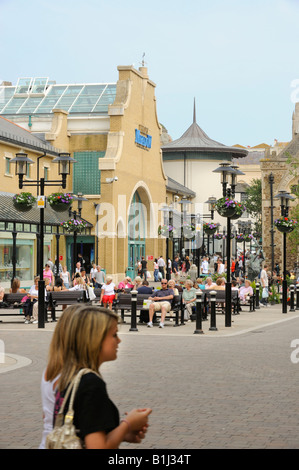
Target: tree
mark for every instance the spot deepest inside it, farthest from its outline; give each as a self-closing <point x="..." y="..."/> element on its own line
<point x="254" y="203"/>
<point x="293" y="161"/>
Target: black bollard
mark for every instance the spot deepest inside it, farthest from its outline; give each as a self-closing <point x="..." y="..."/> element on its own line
<point x="297" y="296"/>
<point x="198" y="313"/>
<point x="292" y="298"/>
<point x="257" y="296"/>
<point x="133" y="310"/>
<point x="213" y="311"/>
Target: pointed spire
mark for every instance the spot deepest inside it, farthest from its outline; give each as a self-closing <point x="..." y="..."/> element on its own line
<point x="194" y="113"/>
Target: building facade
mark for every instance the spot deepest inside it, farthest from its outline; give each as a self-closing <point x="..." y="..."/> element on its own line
<point x="113" y="133"/>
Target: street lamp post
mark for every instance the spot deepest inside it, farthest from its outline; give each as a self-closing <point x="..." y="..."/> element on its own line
<point x="226" y="169"/>
<point x="271" y="182"/>
<point x="284" y="197"/>
<point x="168" y="220"/>
<point x="22" y="161"/>
<point x="184" y="203"/>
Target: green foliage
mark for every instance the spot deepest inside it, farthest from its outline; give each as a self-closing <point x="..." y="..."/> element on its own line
<point x="254" y="202"/>
<point x="274" y="296"/>
<point x="293" y="237"/>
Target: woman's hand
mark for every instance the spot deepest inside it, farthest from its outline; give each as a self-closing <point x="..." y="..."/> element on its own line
<point x="137" y="419"/>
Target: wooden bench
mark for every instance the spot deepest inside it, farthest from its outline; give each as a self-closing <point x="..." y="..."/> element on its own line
<point x="249" y="302"/>
<point x="12" y="302"/>
<point x="220" y="300"/>
<point x="66" y="297"/>
<point x="124" y="303"/>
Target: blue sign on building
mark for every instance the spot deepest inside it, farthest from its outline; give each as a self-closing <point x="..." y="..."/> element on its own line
<point x="143" y="140"/>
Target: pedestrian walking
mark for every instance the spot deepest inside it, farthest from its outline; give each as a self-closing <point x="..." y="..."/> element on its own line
<point x="51" y="374"/>
<point x="91" y="339"/>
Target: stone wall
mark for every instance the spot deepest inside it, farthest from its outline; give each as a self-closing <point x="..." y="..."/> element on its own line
<point x="276" y="164"/>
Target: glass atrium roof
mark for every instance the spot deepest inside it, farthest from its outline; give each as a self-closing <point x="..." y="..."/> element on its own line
<point x="41" y="96"/>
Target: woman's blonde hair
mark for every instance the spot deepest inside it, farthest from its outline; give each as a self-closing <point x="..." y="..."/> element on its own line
<point x="57" y="345"/>
<point x="83" y="341"/>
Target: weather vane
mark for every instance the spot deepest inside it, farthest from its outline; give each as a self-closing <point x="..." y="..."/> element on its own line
<point x="143" y="61"/>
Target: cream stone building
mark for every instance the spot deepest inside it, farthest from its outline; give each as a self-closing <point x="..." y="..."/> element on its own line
<point x="19" y="231"/>
<point x="113" y="133"/>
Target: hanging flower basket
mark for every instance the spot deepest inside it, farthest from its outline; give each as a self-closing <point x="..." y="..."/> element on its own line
<point x="23" y="201"/>
<point x="226" y="207"/>
<point x="284" y="224"/>
<point x="74" y="225"/>
<point x="60" y="202"/>
<point x="239" y="238"/>
<point x="165" y="230"/>
<point x="188" y="230"/>
<point x="239" y="209"/>
<point x="218" y="236"/>
<point x="210" y="228"/>
<point x="231" y="236"/>
<point x="248" y="238"/>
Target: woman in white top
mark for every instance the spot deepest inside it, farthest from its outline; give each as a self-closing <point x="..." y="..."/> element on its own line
<point x="108" y="292"/>
<point x="51" y="373"/>
<point x="32" y="298"/>
<point x="65" y="276"/>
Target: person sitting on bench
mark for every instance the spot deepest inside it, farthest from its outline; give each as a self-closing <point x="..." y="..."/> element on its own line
<point x="161" y="301"/>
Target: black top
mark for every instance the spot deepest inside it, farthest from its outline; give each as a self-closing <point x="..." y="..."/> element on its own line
<point x="93" y="409"/>
<point x="143" y="264"/>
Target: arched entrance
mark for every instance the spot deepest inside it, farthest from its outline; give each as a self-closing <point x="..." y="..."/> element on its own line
<point x="137" y="229"/>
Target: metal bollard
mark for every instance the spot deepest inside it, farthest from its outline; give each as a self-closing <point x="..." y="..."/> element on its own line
<point x="297" y="296"/>
<point x="292" y="298"/>
<point x="133" y="310"/>
<point x="257" y="296"/>
<point x="213" y="311"/>
<point x="198" y="313"/>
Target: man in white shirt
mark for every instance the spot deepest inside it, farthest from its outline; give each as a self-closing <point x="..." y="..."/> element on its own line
<point x="161" y="266"/>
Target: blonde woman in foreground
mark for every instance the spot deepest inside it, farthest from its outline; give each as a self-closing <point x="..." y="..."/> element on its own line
<point x="90" y="340"/>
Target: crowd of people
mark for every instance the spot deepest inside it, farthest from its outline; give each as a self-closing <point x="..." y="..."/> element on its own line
<point x="178" y="268"/>
<point x="63" y="281"/>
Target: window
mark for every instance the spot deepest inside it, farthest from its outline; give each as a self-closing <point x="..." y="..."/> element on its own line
<point x="7" y="165"/>
<point x="46" y="173"/>
<point x="86" y="173"/>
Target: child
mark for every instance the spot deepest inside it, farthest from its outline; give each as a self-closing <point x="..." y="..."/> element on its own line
<point x="91" y="339"/>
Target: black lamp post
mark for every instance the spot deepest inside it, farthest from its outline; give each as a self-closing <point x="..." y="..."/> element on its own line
<point x="227" y="170"/>
<point x="22" y="161"/>
<point x="184" y="203"/>
<point x="284" y="197"/>
<point x="168" y="220"/>
<point x="73" y="213"/>
<point x="271" y="183"/>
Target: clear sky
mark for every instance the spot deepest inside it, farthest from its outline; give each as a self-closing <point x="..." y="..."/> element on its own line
<point x="239" y="59"/>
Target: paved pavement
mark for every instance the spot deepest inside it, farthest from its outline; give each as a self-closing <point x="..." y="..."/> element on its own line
<point x="233" y="388"/>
